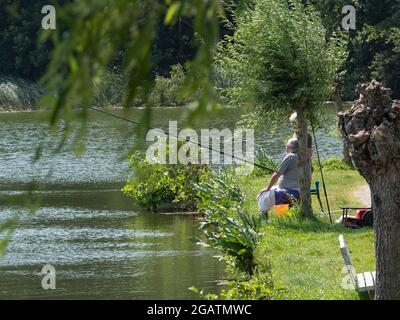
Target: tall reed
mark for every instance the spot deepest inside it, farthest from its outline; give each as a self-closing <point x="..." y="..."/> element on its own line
<point x="17" y="94"/>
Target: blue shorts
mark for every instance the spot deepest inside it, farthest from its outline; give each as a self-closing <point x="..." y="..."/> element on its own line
<point x="284" y="196"/>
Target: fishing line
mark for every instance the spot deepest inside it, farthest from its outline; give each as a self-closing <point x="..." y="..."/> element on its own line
<point x="322" y="175"/>
<point x="159" y="130"/>
<point x="177" y="137"/>
<point x="223" y="153"/>
<point x="208" y="147"/>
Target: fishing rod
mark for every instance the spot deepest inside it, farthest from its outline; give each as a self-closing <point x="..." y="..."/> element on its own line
<point x="208" y="147"/>
<point x="177" y="137"/>
<point x="322" y="175"/>
<point x="162" y="131"/>
<point x="224" y="153"/>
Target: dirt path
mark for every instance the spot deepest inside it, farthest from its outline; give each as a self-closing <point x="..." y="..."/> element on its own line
<point x="363" y="195"/>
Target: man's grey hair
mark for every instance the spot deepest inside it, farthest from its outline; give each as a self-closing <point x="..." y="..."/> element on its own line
<point x="293" y="145"/>
<point x="293" y="118"/>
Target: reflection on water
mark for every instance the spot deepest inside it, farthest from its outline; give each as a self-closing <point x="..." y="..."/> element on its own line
<point x="99" y="244"/>
<point x="102" y="251"/>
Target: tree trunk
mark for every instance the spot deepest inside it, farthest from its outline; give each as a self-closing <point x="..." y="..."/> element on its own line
<point x="372" y="131"/>
<point x="346" y="155"/>
<point x="387" y="234"/>
<point x="304" y="163"/>
<point x="339" y="108"/>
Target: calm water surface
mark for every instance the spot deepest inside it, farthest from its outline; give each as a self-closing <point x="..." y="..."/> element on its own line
<point x="100" y="244"/>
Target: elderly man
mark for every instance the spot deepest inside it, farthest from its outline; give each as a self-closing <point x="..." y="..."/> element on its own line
<point x="288" y="177"/>
<point x="287" y="173"/>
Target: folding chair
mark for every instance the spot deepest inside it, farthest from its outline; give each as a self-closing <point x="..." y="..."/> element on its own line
<point x="315" y="191"/>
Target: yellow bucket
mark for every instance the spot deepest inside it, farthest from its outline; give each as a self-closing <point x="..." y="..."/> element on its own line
<point x="281" y="210"/>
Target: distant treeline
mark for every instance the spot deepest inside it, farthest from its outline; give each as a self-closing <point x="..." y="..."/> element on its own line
<point x="374" y="46"/>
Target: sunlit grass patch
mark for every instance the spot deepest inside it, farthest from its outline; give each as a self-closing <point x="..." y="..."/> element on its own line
<point x="304" y="254"/>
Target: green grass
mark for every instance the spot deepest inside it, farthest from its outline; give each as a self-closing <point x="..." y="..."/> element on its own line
<point x="304" y="253"/>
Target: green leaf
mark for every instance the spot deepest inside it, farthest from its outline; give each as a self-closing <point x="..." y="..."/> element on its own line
<point x="172" y="12"/>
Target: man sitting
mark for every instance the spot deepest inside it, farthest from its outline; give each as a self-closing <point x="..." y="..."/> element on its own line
<point x="288" y="177"/>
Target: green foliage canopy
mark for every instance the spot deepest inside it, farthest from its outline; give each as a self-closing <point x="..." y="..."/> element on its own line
<point x="279" y="57"/>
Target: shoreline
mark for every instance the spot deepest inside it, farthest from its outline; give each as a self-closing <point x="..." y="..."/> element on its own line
<point x="5" y="110"/>
<point x="111" y="107"/>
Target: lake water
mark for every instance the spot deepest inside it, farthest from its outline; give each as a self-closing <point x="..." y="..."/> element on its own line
<point x="100" y="244"/>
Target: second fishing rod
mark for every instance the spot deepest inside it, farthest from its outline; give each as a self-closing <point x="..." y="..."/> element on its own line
<point x="225" y="154"/>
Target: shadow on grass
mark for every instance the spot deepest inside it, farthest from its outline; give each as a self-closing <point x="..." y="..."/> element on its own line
<point x="311" y="225"/>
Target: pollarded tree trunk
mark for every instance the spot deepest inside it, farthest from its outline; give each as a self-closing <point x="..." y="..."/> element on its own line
<point x="372" y="131"/>
<point x="304" y="163"/>
<point x="339" y="108"/>
<point x="386" y="207"/>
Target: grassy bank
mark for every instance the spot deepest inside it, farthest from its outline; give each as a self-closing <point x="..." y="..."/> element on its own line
<point x="304" y="254"/>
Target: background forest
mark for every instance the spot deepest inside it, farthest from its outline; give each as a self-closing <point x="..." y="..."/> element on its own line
<point x="374" y="49"/>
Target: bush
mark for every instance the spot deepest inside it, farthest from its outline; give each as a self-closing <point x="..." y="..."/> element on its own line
<point x="155" y="185"/>
<point x="258" y="287"/>
<point x="109" y="89"/>
<point x="169" y="91"/>
<point x="17" y="94"/>
<point x="262" y="157"/>
<point x="332" y="164"/>
<point x="226" y="226"/>
<point x="235" y="233"/>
